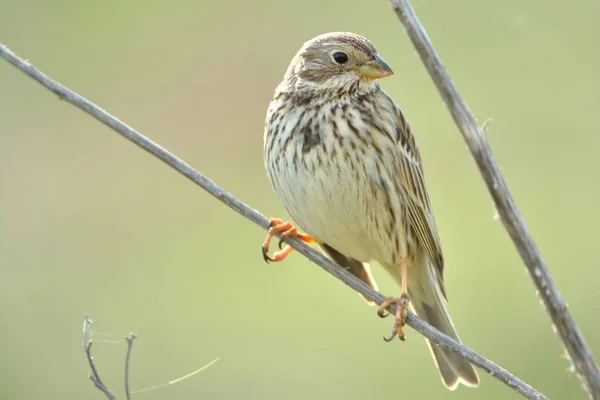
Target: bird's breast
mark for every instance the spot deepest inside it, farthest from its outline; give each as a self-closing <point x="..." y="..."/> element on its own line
<point x="335" y="182"/>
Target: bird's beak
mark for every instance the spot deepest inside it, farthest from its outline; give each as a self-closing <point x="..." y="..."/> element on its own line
<point x="375" y="69"/>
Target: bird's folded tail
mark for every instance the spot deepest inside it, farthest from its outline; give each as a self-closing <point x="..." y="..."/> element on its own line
<point x="428" y="304"/>
<point x="359" y="269"/>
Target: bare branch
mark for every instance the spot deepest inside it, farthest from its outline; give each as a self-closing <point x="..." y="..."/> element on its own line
<point x="419" y="325"/>
<point x="562" y="319"/>
<point x="130" y="338"/>
<point x="95" y="377"/>
<point x="87" y="346"/>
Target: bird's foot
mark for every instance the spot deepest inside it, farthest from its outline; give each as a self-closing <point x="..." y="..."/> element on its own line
<point x="401" y="315"/>
<point x="285" y="230"/>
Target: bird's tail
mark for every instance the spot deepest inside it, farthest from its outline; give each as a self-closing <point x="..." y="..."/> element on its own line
<point x="427" y="302"/>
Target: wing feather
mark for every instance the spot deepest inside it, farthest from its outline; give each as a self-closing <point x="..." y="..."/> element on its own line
<point x="412" y="181"/>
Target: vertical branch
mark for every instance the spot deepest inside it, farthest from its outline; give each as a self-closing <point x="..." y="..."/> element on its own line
<point x="560" y="315"/>
<point x="94" y="375"/>
<point x="130" y="338"/>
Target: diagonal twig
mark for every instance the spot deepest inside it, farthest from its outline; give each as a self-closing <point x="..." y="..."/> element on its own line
<point x="561" y="317"/>
<point x="124" y="130"/>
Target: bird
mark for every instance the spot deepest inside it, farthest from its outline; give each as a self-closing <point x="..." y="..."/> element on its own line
<point x="344" y="162"/>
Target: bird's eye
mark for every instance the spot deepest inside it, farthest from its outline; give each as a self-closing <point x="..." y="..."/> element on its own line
<point x="340" y="58"/>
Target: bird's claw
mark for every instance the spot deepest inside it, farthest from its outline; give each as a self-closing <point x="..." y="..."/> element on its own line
<point x="284" y="230"/>
<point x="382" y="312"/>
<point x="401" y="315"/>
<point x="392" y="335"/>
<point x="265" y="251"/>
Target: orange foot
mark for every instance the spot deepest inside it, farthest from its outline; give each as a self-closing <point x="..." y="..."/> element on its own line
<point x="401" y="315"/>
<point x="286" y="230"/>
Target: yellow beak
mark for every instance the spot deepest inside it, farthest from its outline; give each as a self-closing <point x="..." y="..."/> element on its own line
<point x="375" y="69"/>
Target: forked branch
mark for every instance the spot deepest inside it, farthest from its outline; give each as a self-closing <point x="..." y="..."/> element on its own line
<point x="568" y="331"/>
<point x="419" y="325"/>
<point x="94" y="374"/>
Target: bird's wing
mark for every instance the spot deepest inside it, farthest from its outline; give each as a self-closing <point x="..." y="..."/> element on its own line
<point x="359" y="269"/>
<point x="412" y="181"/>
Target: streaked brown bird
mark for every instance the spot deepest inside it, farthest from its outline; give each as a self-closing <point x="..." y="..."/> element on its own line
<point x="345" y="164"/>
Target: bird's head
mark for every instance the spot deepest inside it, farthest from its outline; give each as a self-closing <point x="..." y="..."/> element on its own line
<point x="339" y="62"/>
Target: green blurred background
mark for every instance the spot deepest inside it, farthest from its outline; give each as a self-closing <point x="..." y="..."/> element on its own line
<point x="90" y="223"/>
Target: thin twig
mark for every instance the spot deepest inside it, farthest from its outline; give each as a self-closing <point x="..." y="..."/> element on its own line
<point x="95" y="377"/>
<point x="419" y="325"/>
<point x="87" y="346"/>
<point x="562" y="319"/>
<point x="177" y="380"/>
<point x="130" y="338"/>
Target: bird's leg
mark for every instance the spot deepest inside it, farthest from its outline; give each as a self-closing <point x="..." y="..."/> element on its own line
<point x="286" y="230"/>
<point x="401" y="306"/>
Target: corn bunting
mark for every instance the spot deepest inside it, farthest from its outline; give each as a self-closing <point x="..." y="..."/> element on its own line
<point x="345" y="164"/>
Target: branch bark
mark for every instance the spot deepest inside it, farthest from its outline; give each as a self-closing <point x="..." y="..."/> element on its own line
<point x="179" y="165"/>
<point x="562" y="320"/>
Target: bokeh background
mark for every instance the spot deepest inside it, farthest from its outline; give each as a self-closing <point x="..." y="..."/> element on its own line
<point x="90" y="223"/>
